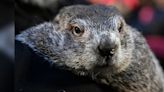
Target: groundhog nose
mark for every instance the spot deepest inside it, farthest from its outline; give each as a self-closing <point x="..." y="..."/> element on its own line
<point x="106" y="47"/>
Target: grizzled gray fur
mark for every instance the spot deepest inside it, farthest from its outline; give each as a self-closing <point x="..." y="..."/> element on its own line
<point x="95" y="41"/>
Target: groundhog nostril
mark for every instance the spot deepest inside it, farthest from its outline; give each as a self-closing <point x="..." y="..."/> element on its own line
<point x="106" y="47"/>
<point x="106" y="51"/>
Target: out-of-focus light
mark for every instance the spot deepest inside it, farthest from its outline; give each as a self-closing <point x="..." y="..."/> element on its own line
<point x="7" y="40"/>
<point x="146" y="15"/>
<point x="103" y="2"/>
<point x="131" y="4"/>
<point x="156" y="43"/>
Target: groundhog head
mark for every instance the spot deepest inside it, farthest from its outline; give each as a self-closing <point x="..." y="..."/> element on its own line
<point x="83" y="39"/>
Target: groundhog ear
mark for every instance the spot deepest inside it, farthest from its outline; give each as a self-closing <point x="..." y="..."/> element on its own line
<point x="34" y="35"/>
<point x="119" y="23"/>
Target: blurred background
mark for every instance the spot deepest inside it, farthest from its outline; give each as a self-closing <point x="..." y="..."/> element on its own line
<point x="32" y="73"/>
<point x="6" y="45"/>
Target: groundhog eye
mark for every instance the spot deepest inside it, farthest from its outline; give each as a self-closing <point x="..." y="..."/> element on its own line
<point x="77" y="31"/>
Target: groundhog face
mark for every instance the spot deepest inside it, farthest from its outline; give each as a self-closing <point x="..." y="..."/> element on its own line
<point x="82" y="39"/>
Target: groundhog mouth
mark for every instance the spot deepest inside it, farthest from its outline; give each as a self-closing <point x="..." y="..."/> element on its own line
<point x="104" y="62"/>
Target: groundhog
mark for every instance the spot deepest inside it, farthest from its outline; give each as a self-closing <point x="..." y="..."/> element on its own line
<point x="95" y="41"/>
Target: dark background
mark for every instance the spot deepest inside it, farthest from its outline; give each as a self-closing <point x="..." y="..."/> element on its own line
<point x="6" y="62"/>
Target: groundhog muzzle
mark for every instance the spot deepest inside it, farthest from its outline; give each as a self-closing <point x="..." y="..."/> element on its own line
<point x="95" y="41"/>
